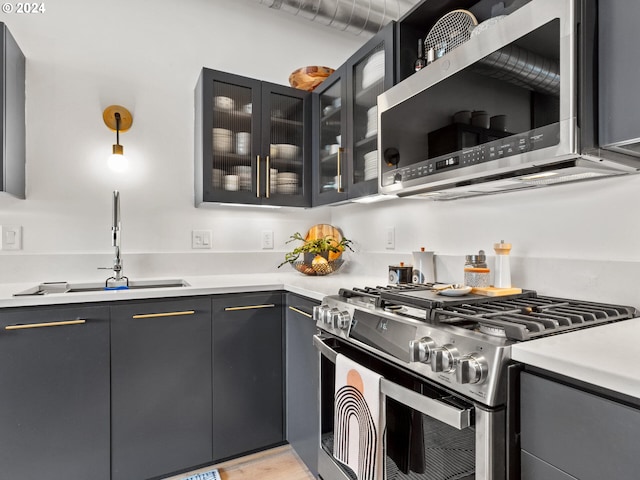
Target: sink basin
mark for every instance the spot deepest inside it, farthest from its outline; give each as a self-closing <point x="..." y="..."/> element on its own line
<point x="65" y="287"/>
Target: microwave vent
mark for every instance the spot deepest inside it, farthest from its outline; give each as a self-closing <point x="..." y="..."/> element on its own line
<point x="631" y="148"/>
<point x="565" y="178"/>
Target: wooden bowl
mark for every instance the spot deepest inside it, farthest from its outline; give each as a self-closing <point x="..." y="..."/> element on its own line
<point x="308" y="78"/>
<point x="323" y="230"/>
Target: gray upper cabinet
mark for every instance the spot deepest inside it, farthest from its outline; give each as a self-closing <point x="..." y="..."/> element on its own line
<point x="370" y="71"/>
<point x="330" y="124"/>
<point x="12" y="121"/>
<point x="345" y="122"/>
<point x="619" y="58"/>
<point x="253" y="142"/>
<point x="54" y="393"/>
<point x="161" y="387"/>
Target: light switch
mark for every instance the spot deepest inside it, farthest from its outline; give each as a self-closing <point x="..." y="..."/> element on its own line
<point x="11" y="237"/>
<point x="390" y="239"/>
<point x="267" y="239"/>
<point x="201" y="239"/>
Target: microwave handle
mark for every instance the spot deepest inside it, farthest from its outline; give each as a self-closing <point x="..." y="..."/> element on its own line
<point x="452" y="416"/>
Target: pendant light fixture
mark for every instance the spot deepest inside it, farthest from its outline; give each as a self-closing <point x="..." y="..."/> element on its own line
<point x="118" y="119"/>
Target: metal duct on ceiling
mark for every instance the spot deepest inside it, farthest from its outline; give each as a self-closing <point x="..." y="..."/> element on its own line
<point x="355" y="16"/>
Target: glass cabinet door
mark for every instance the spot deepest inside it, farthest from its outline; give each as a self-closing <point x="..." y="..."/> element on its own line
<point x="252" y="139"/>
<point x="230" y="137"/>
<point x="285" y="145"/>
<point x="330" y="173"/>
<point x="370" y="74"/>
<point x="233" y="130"/>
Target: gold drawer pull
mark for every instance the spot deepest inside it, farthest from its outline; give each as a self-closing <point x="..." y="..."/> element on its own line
<point x="249" y="307"/>
<point x="297" y="310"/>
<point x="48" y="324"/>
<point x="165" y="314"/>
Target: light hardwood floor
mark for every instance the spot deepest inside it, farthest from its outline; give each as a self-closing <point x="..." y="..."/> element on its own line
<point x="279" y="463"/>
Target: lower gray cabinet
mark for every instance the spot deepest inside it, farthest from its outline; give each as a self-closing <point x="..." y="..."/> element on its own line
<point x="568" y="433"/>
<point x="303" y="418"/>
<point x="247" y="373"/>
<point x="54" y="393"/>
<point x="161" y="387"/>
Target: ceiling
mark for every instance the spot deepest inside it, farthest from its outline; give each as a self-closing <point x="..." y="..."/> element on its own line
<point x="353" y="16"/>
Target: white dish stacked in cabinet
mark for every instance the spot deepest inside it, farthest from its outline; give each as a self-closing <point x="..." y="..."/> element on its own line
<point x="287" y="183"/>
<point x="371" y="165"/>
<point x="222" y="140"/>
<point x="373" y="70"/>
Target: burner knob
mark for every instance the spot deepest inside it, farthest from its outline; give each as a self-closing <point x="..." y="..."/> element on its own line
<point x="330" y="317"/>
<point x="318" y="312"/>
<point x="471" y="368"/>
<point x="321" y="313"/>
<point x="420" y="350"/>
<point x="444" y="359"/>
<point x="341" y="319"/>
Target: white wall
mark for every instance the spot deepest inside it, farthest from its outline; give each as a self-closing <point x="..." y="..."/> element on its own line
<point x="145" y="55"/>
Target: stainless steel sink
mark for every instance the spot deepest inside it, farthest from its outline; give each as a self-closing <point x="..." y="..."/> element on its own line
<point x="65" y="287"/>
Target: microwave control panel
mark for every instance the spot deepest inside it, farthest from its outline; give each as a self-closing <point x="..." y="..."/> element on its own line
<point x="537" y="139"/>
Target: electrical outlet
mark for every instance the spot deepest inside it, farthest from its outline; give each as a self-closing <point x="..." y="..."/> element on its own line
<point x="11" y="237"/>
<point x="267" y="239"/>
<point x="201" y="239"/>
<point x="390" y="238"/>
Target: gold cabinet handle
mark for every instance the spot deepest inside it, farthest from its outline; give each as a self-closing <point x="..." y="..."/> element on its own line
<point x="268" y="175"/>
<point x="340" y="190"/>
<point x="297" y="310"/>
<point x="48" y="324"/>
<point x="248" y="307"/>
<point x="164" y="314"/>
<point x="258" y="176"/>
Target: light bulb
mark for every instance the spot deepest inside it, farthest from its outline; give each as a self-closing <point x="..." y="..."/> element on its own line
<point x="117" y="162"/>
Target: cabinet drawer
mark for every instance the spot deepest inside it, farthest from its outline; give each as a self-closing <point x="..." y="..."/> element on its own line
<point x="54" y="393"/>
<point x="302" y="372"/>
<point x="583" y="434"/>
<point x="247" y="361"/>
<point x="38" y="317"/>
<point x="161" y="386"/>
<point x="300" y="307"/>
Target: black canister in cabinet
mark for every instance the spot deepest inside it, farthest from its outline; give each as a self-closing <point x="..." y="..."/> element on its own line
<point x="400" y="273"/>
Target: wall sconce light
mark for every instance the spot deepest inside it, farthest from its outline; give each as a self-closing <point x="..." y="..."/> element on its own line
<point x="118" y="119"/>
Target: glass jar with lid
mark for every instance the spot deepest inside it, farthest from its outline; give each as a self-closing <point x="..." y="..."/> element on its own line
<point x="476" y="272"/>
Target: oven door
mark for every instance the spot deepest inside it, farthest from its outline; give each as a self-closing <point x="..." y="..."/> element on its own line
<point x="430" y="433"/>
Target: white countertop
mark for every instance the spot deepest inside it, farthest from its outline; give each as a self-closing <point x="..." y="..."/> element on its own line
<point x="308" y="286"/>
<point x="605" y="356"/>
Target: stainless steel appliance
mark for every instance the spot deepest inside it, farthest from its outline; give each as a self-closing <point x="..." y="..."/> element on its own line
<point x="447" y="378"/>
<point x="536" y="69"/>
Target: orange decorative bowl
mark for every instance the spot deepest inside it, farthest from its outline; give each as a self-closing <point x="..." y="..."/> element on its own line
<point x="308" y="78"/>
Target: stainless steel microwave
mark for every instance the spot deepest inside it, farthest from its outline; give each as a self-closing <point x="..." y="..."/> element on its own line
<point x="535" y="71"/>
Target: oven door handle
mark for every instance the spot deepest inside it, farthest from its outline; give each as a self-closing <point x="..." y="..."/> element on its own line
<point x="452" y="416"/>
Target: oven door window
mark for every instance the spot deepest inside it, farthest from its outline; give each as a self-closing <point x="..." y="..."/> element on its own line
<point x="417" y="446"/>
<point x="420" y="447"/>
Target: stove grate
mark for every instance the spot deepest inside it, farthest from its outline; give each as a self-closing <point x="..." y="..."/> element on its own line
<point x="524" y="319"/>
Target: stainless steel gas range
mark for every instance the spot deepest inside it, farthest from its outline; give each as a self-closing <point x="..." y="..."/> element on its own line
<point x="449" y="387"/>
